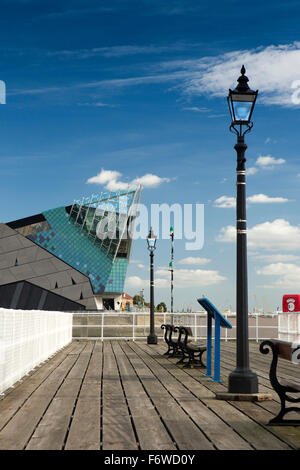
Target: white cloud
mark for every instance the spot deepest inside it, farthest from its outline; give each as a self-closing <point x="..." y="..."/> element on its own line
<point x="265" y="162"/>
<point x="183" y="278"/>
<point x="135" y="282"/>
<point x="97" y="104"/>
<point x="276" y="258"/>
<point x="111" y="180"/>
<point x="104" y="177"/>
<point x="120" y="51"/>
<point x="227" y="234"/>
<point x="269" y="161"/>
<point x="229" y="202"/>
<point x="251" y="171"/>
<point x="115" y="185"/>
<point x="264" y="199"/>
<point x="196" y="109"/>
<point x="288" y="275"/>
<point x="194" y="260"/>
<point x="150" y="181"/>
<point x="226" y="202"/>
<point x="271" y="69"/>
<point x="278" y="235"/>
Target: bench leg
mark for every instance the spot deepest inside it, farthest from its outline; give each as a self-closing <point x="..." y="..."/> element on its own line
<point x="195" y="362"/>
<point x="202" y="365"/>
<point x="191" y="361"/>
<point x="278" y="420"/>
<point x="167" y="352"/>
<point x="183" y="357"/>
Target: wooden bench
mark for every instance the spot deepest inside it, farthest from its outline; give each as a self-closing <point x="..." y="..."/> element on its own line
<point x="289" y="352"/>
<point x="171" y="342"/>
<point x="189" y="349"/>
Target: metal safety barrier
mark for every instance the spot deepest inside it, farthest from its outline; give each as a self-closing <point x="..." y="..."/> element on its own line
<point x="27" y="338"/>
<point x="135" y="325"/>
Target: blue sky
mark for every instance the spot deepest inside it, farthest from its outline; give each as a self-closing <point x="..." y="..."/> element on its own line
<point x="139" y="87"/>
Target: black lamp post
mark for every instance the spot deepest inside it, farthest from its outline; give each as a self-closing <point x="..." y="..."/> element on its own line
<point x="171" y="269"/>
<point x="241" y="103"/>
<point x="151" y="242"/>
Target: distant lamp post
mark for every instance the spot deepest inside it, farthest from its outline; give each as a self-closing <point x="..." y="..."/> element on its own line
<point x="151" y="242"/>
<point x="171" y="269"/>
<point x="241" y="103"/>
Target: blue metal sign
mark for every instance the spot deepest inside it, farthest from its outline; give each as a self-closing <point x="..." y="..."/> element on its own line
<point x="220" y="321"/>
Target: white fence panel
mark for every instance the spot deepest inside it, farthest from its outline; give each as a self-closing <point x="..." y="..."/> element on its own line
<point x="27" y="338"/>
<point x="289" y="326"/>
<point x="135" y="325"/>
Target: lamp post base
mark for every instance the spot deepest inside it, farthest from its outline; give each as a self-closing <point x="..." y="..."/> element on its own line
<point x="243" y="396"/>
<point x="152" y="339"/>
<point x="242" y="381"/>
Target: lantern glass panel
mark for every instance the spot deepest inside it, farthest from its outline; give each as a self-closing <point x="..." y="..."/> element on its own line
<point x="242" y="110"/>
<point x="151" y="242"/>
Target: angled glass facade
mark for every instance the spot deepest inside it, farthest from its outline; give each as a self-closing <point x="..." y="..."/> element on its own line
<point x="104" y="218"/>
<point x="91" y="236"/>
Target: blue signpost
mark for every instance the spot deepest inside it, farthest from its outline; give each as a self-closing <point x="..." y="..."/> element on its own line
<point x="220" y="321"/>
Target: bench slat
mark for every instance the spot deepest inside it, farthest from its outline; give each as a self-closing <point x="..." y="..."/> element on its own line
<point x="285" y="349"/>
<point x="291" y="383"/>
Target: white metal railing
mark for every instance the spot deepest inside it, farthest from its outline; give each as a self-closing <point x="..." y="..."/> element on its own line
<point x="289" y="326"/>
<point x="27" y="338"/>
<point x="135" y="325"/>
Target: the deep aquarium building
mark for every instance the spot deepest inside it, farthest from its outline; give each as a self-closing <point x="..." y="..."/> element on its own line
<point x="72" y="257"/>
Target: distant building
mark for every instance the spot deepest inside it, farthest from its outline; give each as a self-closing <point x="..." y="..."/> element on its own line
<point x="70" y="254"/>
<point x="127" y="302"/>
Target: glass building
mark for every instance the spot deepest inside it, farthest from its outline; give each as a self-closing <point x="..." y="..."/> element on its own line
<point x="78" y="252"/>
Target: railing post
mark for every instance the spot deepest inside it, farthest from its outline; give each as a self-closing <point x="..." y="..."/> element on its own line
<point x="102" y="316"/>
<point x="195" y="323"/>
<point x="256" y="327"/>
<point x="209" y="346"/>
<point x="133" y="325"/>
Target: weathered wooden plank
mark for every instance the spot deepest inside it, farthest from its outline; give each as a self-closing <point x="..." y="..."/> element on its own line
<point x="144" y="401"/>
<point x="149" y="427"/>
<point x="186" y="435"/>
<point x="262" y="362"/>
<point x="51" y="431"/>
<point x="94" y="371"/>
<point x="117" y="432"/>
<point x="259" y="411"/>
<point x="19" y="429"/>
<point x="255" y="434"/>
<point x="84" y="432"/>
<point x="16" y="397"/>
<point x="221" y="434"/>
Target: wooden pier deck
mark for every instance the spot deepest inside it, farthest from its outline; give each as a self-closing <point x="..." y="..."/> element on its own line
<point x="128" y="396"/>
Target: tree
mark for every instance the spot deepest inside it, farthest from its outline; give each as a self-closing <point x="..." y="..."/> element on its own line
<point x="161" y="307"/>
<point x="138" y="300"/>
